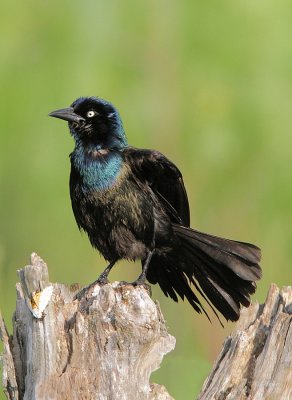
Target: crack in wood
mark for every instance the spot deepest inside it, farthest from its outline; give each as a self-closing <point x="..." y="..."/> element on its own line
<point x="68" y="326"/>
<point x="257" y="363"/>
<point x="88" y="348"/>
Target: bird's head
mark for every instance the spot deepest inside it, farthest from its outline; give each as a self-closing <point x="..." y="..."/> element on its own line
<point x="94" y="121"/>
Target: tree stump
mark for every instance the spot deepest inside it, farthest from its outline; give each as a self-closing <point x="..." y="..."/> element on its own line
<point x="106" y="344"/>
<point x="256" y="360"/>
<point x="103" y="346"/>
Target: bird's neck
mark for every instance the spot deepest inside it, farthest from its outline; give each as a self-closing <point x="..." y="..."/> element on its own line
<point x="107" y="138"/>
<point x="97" y="167"/>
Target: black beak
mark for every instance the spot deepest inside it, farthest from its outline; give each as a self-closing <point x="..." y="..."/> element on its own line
<point x="67" y="114"/>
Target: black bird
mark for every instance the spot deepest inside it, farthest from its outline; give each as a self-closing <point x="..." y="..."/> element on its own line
<point x="132" y="204"/>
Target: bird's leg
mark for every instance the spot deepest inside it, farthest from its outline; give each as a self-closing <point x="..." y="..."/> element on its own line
<point x="102" y="280"/>
<point x="142" y="278"/>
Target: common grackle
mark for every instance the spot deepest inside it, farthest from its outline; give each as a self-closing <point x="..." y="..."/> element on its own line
<point x="132" y="203"/>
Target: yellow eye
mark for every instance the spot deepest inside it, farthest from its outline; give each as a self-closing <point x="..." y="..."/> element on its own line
<point x="91" y="114"/>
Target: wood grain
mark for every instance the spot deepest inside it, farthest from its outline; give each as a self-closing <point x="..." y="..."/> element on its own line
<point x="256" y="360"/>
<point x="104" y="346"/>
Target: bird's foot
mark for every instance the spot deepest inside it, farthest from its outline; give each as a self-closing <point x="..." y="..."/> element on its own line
<point x="123" y="283"/>
<point x="83" y="293"/>
<point x="88" y="290"/>
<point x="102" y="280"/>
<point x="137" y="282"/>
<point x="142" y="282"/>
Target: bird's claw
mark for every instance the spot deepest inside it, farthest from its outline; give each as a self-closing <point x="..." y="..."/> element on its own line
<point x="143" y="284"/>
<point x="87" y="290"/>
<point x="82" y="293"/>
<point x="102" y="280"/>
<point x="138" y="282"/>
<point x="123" y="283"/>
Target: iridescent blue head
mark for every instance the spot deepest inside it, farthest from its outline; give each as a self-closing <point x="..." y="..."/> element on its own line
<point x="95" y="122"/>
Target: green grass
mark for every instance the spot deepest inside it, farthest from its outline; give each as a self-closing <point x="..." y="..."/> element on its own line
<point x="206" y="83"/>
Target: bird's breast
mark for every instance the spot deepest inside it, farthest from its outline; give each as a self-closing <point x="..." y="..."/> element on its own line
<point x="116" y="214"/>
<point x="97" y="171"/>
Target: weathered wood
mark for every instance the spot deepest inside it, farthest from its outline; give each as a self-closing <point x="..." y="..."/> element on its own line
<point x="8" y="375"/>
<point x="104" y="346"/>
<point x="256" y="360"/>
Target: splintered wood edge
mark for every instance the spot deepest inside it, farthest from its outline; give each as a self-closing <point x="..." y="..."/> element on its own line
<point x="250" y="333"/>
<point x="8" y="371"/>
<point x="35" y="276"/>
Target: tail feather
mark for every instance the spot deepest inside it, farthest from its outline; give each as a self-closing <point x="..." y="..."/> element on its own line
<point x="236" y="255"/>
<point x="173" y="280"/>
<point x="221" y="270"/>
<point x="218" y="272"/>
<point x="247" y="251"/>
<point x="220" y="295"/>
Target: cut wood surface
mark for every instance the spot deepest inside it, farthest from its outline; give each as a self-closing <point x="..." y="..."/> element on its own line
<point x="106" y="344"/>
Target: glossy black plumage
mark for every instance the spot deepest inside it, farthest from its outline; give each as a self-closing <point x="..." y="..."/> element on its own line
<point x="132" y="203"/>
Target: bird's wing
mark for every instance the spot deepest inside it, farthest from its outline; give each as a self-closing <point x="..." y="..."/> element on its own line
<point x="164" y="178"/>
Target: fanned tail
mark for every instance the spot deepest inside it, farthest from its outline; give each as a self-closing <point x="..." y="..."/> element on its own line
<point x="223" y="271"/>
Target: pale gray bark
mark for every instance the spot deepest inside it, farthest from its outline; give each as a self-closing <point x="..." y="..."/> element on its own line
<point x="106" y="345"/>
<point x="256" y="360"/>
<point x="103" y="347"/>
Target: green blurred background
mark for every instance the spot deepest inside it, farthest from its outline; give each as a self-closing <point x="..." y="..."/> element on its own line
<point x="208" y="83"/>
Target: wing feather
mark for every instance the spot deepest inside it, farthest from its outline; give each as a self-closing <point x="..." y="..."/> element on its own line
<point x="164" y="178"/>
